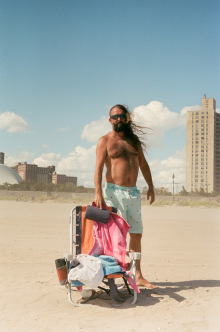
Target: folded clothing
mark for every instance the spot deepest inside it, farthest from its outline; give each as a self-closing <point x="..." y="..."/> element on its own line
<point x="110" y="265"/>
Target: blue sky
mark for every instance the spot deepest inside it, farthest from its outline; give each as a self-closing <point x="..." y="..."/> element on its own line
<point x="64" y="63"/>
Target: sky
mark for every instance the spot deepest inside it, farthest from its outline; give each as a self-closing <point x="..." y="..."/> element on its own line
<point x="65" y="63"/>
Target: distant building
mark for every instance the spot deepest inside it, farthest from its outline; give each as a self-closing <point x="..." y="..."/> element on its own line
<point x="28" y="172"/>
<point x="203" y="148"/>
<point x="63" y="179"/>
<point x="32" y="173"/>
<point x="71" y="180"/>
<point x="58" y="178"/>
<point x="2" y="158"/>
<point x="44" y="174"/>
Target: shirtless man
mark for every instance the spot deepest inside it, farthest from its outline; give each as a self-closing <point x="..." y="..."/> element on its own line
<point x="122" y="154"/>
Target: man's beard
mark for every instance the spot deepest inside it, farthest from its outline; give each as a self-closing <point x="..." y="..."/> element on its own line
<point x="123" y="127"/>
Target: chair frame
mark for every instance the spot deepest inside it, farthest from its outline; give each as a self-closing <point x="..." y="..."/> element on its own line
<point x="134" y="256"/>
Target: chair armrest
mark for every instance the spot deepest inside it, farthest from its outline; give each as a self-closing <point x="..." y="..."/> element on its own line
<point x="135" y="255"/>
<point x="68" y="257"/>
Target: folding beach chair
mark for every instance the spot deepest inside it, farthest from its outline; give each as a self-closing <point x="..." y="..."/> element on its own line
<point x="81" y="242"/>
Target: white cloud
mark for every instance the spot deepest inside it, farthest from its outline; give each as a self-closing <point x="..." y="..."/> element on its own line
<point x="79" y="163"/>
<point x="154" y="115"/>
<point x="12" y="123"/>
<point x="163" y="170"/>
<point x="80" y="160"/>
<point x="21" y="157"/>
<point x="159" y="119"/>
<point x="96" y="129"/>
<point x="190" y="109"/>
<point x="47" y="159"/>
<point x="173" y="162"/>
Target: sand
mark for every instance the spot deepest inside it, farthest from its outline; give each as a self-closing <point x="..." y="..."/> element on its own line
<point x="181" y="254"/>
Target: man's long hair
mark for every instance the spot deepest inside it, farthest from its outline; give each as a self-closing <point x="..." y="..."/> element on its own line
<point x="133" y="130"/>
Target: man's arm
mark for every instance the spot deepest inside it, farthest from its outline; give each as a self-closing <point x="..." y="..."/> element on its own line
<point x="145" y="170"/>
<point x="101" y="152"/>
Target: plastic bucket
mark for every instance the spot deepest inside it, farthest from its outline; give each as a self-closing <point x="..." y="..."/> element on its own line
<point x="61" y="270"/>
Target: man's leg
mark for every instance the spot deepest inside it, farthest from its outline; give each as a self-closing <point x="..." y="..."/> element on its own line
<point x="135" y="246"/>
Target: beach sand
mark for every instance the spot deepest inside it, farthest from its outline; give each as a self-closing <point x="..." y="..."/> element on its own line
<point x="180" y="253"/>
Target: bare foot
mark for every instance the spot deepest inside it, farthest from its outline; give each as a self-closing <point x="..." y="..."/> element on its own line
<point x="144" y="283"/>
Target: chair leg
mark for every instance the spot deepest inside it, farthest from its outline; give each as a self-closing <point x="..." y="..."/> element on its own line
<point x="135" y="298"/>
<point x="70" y="298"/>
<point x="126" y="284"/>
<point x="104" y="289"/>
<point x="114" y="291"/>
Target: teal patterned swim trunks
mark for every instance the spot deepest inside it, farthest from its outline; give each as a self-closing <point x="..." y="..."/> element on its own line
<point x="128" y="201"/>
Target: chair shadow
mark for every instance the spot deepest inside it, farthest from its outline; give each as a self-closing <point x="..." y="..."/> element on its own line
<point x="149" y="297"/>
<point x="171" y="289"/>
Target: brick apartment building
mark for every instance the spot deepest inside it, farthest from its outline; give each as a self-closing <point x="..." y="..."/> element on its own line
<point x="63" y="179"/>
<point x="33" y="173"/>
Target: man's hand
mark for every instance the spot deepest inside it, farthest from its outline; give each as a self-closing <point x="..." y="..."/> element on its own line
<point x="151" y="195"/>
<point x="99" y="201"/>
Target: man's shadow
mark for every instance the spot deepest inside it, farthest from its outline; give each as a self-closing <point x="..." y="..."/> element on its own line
<point x="149" y="297"/>
<point x="171" y="290"/>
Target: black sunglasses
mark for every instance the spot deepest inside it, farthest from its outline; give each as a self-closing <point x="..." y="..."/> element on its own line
<point x="116" y="116"/>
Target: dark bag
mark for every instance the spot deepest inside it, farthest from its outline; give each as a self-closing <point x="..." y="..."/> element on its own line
<point x="96" y="214"/>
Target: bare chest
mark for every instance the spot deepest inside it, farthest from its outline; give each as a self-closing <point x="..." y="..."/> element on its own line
<point x="121" y="149"/>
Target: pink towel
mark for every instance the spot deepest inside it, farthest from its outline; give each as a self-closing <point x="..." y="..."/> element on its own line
<point x="110" y="238"/>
